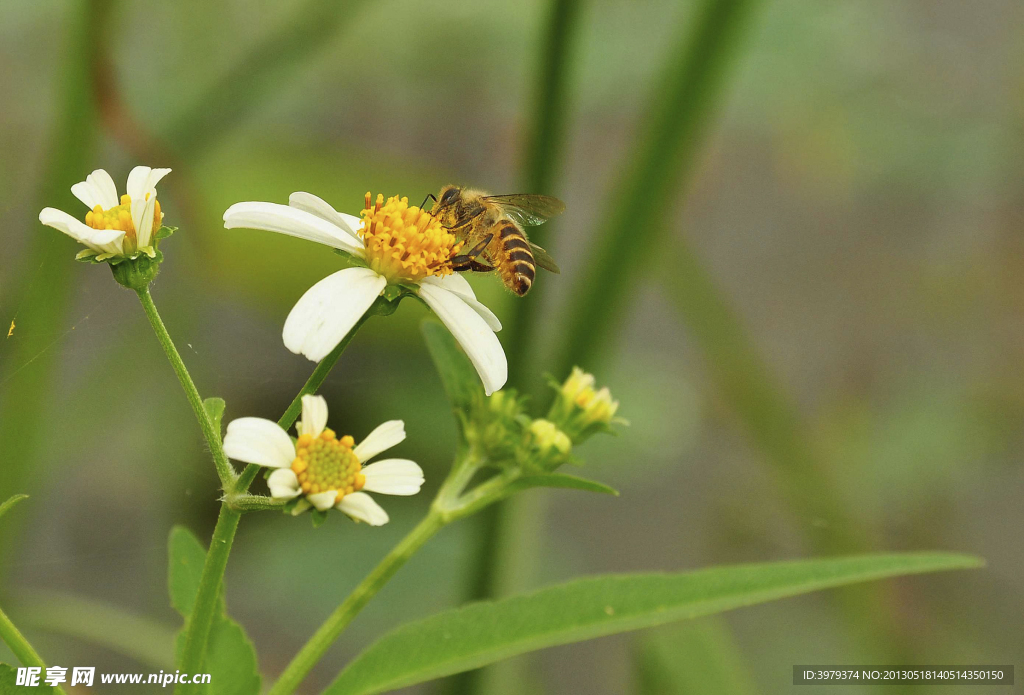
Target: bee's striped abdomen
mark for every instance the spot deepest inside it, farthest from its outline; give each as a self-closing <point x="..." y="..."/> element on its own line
<point x="520" y="259"/>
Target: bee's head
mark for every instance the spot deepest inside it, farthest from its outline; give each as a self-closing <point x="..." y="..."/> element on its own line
<point x="450" y="195"/>
<point x="448" y="206"/>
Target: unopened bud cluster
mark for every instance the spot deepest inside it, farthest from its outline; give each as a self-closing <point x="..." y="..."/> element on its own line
<point x="580" y="409"/>
<point x="508" y="436"/>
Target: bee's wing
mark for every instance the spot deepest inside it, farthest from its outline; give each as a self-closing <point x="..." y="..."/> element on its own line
<point x="544" y="259"/>
<point x="528" y="209"/>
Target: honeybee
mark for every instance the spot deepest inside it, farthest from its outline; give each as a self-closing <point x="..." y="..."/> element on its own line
<point x="491" y="227"/>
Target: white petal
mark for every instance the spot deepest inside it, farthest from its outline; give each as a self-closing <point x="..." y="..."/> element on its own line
<point x="457" y="284"/>
<point x="283" y="484"/>
<point x="393" y="477"/>
<point x="473" y="333"/>
<point x="383" y="437"/>
<point x="97" y="189"/>
<point x="143" y="180"/>
<point x="322" y="209"/>
<point x="142" y="218"/>
<point x="293" y="222"/>
<point x="101" y="240"/>
<point x="361" y="507"/>
<point x="323" y="500"/>
<point x="325" y="314"/>
<point x="259" y="441"/>
<point x="314" y="415"/>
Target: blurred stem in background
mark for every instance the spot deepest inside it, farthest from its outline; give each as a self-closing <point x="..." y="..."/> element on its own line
<point x="772" y="422"/>
<point x="22" y="649"/>
<point x="681" y="106"/>
<point x="260" y="73"/>
<point x="543" y="155"/>
<point x="40" y="303"/>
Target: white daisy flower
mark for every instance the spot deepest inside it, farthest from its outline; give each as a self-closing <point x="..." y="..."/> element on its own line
<point x="328" y="471"/>
<point x="124" y="226"/>
<point x="399" y="245"/>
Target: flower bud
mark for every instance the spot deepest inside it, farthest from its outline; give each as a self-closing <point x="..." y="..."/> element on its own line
<point x="547" y="437"/>
<point x="579" y="410"/>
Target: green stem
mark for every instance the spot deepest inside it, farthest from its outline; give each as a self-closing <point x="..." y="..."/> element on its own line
<point x="224" y="470"/>
<point x="205" y="607"/>
<point x="324" y="637"/>
<point x="312" y="385"/>
<point x="449" y="505"/>
<point x="20" y="646"/>
<point x="201" y="620"/>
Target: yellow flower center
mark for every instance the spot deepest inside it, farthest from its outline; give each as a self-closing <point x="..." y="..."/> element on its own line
<point x="120" y="217"/>
<point x="403" y="243"/>
<point x="327" y="463"/>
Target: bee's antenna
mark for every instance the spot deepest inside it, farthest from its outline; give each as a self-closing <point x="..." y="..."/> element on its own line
<point x="430" y="196"/>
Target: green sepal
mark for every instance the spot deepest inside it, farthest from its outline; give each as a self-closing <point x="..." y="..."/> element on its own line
<point x="392" y="292"/>
<point x="164" y="232"/>
<point x="87" y="256"/>
<point x="136" y="273"/>
<point x="386" y="305"/>
<point x="318" y="517"/>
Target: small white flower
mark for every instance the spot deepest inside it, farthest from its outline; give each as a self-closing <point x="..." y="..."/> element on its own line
<point x="399" y="245"/>
<point x="330" y="472"/>
<point x="113" y="226"/>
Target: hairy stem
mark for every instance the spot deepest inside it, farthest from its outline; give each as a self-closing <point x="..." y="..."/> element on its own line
<point x="20" y="646"/>
<point x="224" y="470"/>
<point x="201" y="620"/>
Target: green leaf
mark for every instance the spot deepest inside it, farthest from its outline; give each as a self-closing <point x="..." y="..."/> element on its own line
<point x="458" y="376"/>
<point x="10" y="502"/>
<point x="8" y="678"/>
<point x="186" y="557"/>
<point x="482" y="633"/>
<point x="231" y="660"/>
<point x="214" y="408"/>
<point x="561" y="480"/>
<point x="694" y="658"/>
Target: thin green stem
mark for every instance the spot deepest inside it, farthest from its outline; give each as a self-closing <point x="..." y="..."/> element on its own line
<point x="224" y="470"/>
<point x="205" y="607"/>
<point x="13" y="638"/>
<point x="203" y="612"/>
<point x="449" y="505"/>
<point x="312" y="385"/>
<point x="324" y="637"/>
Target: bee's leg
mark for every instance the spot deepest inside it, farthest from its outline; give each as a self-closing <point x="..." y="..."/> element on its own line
<point x="467" y="261"/>
<point x="478" y="267"/>
<point x="430" y="196"/>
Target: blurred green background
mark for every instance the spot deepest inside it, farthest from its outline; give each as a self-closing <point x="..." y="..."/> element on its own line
<point x="819" y="346"/>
